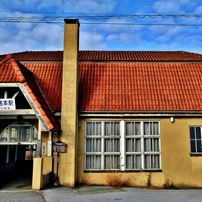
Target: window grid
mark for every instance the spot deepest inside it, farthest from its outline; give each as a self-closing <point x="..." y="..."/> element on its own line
<point x="93" y="145"/>
<point x="16" y="133"/>
<point x="142" y="145"/>
<point x="108" y="149"/>
<point x="195" y="139"/>
<point x="124" y="145"/>
<point x="111" y="145"/>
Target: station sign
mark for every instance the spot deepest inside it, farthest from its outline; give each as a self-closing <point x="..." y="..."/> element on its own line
<point x="7" y="104"/>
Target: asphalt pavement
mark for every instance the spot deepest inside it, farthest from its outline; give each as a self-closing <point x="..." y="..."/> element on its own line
<point x="100" y="194"/>
<point x="21" y="193"/>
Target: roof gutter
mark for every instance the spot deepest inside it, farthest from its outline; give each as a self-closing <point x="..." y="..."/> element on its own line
<point x="141" y="114"/>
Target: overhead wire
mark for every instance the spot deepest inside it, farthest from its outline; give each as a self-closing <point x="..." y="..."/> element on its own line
<point x="106" y="16"/>
<point x="60" y="19"/>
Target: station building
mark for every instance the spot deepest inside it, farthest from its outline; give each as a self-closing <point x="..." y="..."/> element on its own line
<point x="131" y="118"/>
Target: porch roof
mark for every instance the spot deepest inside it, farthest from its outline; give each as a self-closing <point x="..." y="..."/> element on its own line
<point x="13" y="71"/>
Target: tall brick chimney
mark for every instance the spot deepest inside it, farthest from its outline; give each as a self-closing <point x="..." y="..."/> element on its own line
<point x="69" y="113"/>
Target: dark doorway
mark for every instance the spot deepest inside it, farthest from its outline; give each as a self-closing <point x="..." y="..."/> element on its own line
<point x="16" y="163"/>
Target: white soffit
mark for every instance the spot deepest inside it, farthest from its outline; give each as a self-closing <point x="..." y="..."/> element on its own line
<point x="44" y="126"/>
<point x="33" y="111"/>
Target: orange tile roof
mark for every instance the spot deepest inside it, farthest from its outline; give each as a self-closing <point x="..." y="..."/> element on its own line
<point x="140" y="87"/>
<point x="13" y="71"/>
<point x="49" y="77"/>
<point x="123" y="81"/>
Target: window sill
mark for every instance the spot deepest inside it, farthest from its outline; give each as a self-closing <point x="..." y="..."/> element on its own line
<point x="121" y="171"/>
<point x="195" y="154"/>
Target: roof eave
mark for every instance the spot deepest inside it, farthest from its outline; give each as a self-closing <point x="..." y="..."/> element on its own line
<point x="140" y="113"/>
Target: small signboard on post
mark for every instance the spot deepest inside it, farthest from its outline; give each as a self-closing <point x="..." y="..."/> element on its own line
<point x="60" y="147"/>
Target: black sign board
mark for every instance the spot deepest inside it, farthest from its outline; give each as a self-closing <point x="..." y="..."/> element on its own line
<point x="59" y="147"/>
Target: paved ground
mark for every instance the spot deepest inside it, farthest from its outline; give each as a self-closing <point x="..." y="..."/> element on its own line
<point x="22" y="192"/>
<point x="102" y="194"/>
<point x="19" y="190"/>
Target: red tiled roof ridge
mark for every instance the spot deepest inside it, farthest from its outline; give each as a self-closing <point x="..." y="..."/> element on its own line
<point x="109" y="55"/>
<point x="36" y="51"/>
<point x="144" y="56"/>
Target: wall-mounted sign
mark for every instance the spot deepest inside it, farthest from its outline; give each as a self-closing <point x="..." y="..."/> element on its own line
<point x="7" y="104"/>
<point x="59" y="147"/>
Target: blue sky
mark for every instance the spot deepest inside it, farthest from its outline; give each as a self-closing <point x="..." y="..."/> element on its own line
<point x="112" y="34"/>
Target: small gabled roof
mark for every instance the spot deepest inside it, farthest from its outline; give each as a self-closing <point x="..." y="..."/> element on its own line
<point x="13" y="71"/>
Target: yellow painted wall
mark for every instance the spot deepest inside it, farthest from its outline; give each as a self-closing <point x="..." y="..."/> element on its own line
<point x="177" y="164"/>
<point x="178" y="167"/>
<point x="37" y="177"/>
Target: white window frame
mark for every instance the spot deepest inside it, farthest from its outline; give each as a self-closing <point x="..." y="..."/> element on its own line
<point x="122" y="151"/>
<point x="153" y="150"/>
<point x="19" y="133"/>
<point x="195" y="140"/>
<point x="115" y="153"/>
<point x="93" y="154"/>
<point x="104" y="164"/>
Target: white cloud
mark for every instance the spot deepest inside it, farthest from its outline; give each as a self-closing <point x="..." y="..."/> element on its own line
<point x="19" y="5"/>
<point x="47" y="4"/>
<point x="49" y="34"/>
<point x="166" y="6"/>
<point x="29" y="36"/>
<point x="198" y="10"/>
<point x="58" y="6"/>
<point x="23" y="37"/>
<point x="122" y="38"/>
<point x="91" y="41"/>
<point x="24" y="26"/>
<point x="79" y="6"/>
<point x="94" y="6"/>
<point x="114" y="36"/>
<point x="6" y="43"/>
<point x="174" y="7"/>
<point x="165" y="33"/>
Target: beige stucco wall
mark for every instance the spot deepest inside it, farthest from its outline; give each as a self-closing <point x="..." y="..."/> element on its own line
<point x="37" y="177"/>
<point x="42" y="174"/>
<point x="177" y="164"/>
<point x="178" y="167"/>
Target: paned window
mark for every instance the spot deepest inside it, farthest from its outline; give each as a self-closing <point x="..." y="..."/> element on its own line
<point x="195" y="139"/>
<point x="122" y="145"/>
<point x="142" y="145"/>
<point x="102" y="145"/>
<point x="15" y="133"/>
